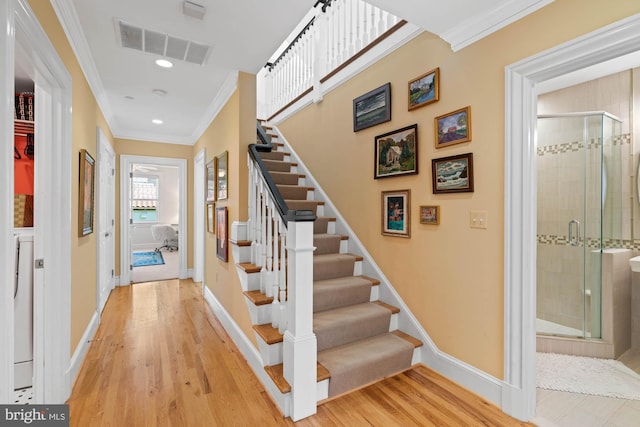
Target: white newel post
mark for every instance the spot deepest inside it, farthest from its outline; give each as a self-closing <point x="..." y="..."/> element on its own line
<point x="300" y="347"/>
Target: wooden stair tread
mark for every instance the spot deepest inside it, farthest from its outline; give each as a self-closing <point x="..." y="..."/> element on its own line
<point x="249" y="267"/>
<point x="240" y="242"/>
<point x="258" y="298"/>
<point x="374" y="282"/>
<point x="416" y="342"/>
<point x="268" y="333"/>
<point x="276" y="373"/>
<point x="394" y="310"/>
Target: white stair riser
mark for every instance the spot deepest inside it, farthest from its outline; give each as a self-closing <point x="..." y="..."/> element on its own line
<point x="344" y="246"/>
<point x="259" y="314"/>
<point x="271" y="354"/>
<point x="241" y="253"/>
<point x="248" y="281"/>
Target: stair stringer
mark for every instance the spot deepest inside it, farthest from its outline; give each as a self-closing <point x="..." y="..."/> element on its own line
<point x="428" y="354"/>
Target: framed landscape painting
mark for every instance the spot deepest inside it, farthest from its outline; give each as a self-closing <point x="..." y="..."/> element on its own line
<point x="452" y="174"/>
<point x="396" y="153"/>
<point x="372" y="108"/>
<point x="453" y="128"/>
<point x="425" y="89"/>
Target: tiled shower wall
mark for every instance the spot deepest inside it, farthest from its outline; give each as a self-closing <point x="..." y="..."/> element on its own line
<point x="561" y="159"/>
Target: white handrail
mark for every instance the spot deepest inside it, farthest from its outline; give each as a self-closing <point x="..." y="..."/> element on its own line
<point x="332" y="38"/>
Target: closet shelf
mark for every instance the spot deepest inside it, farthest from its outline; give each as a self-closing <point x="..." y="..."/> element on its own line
<point x="22" y="127"/>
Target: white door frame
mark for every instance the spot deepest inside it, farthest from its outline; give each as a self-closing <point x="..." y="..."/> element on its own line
<point x="105" y="206"/>
<point x="521" y="78"/>
<point x="126" y="163"/>
<point x="199" y="179"/>
<point x="52" y="299"/>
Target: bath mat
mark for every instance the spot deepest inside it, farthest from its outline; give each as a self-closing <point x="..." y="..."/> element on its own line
<point x="143" y="259"/>
<point x="587" y="375"/>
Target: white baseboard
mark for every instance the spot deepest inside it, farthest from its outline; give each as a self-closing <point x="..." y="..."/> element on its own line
<point x="248" y="350"/>
<point x="83" y="346"/>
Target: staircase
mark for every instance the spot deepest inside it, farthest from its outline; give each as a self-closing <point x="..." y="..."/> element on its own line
<point x="358" y="340"/>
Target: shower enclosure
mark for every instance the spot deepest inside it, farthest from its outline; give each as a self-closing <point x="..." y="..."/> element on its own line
<point x="578" y="207"/>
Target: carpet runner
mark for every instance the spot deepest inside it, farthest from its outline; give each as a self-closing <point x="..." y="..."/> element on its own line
<point x="143" y="259"/>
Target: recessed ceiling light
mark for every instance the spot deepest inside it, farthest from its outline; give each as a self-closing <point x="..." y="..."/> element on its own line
<point x="164" y="63"/>
<point x="156" y="121"/>
<point x="159" y="92"/>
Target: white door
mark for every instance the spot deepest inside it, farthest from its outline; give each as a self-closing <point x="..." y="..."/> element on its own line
<point x="106" y="219"/>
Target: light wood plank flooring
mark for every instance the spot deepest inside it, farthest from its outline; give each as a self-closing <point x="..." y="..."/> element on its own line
<point x="160" y="358"/>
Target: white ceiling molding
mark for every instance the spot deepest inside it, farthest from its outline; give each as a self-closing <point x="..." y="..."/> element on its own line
<point x="228" y="88"/>
<point x="481" y="25"/>
<point x="70" y="23"/>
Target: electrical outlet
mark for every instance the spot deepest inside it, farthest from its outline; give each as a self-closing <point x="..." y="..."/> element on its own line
<point x="478" y="219"/>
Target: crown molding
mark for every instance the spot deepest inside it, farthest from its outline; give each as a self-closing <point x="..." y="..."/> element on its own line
<point x="70" y="23"/>
<point x="480" y="26"/>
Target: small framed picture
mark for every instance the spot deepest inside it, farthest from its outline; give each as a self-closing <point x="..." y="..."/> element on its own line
<point x="430" y="215"/>
<point x="86" y="193"/>
<point x="425" y="89"/>
<point x="372" y="108"/>
<point x="221" y="176"/>
<point x="211" y="219"/>
<point x="396" y="213"/>
<point x="211" y="183"/>
<point x="396" y="153"/>
<point x="453" y="128"/>
<point x="222" y="242"/>
<point x="452" y="174"/>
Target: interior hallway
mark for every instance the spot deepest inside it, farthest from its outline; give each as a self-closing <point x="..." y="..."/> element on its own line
<point x="160" y="357"/>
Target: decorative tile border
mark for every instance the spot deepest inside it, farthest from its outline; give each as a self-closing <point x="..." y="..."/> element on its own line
<point x="592" y="243"/>
<point x="574" y="146"/>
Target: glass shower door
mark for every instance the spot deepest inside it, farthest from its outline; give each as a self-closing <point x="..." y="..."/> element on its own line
<point x="569" y="209"/>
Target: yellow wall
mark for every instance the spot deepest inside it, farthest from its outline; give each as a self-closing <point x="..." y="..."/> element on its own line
<point x="144" y="148"/>
<point x="232" y="130"/>
<point x="86" y="116"/>
<point x="450" y="276"/>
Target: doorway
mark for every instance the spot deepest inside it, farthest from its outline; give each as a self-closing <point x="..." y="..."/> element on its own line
<point x="106" y="211"/>
<point x="26" y="43"/>
<point x="614" y="42"/>
<point x="154" y="229"/>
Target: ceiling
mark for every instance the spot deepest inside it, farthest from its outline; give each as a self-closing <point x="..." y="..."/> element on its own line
<point x="242" y="36"/>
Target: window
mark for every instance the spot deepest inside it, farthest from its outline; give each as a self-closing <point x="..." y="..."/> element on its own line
<point x="144" y="198"/>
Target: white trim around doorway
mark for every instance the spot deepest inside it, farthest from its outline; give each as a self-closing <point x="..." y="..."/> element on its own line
<point x="521" y="78"/>
<point x="126" y="161"/>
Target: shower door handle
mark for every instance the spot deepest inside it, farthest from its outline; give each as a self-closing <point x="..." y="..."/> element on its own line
<point x="574" y="240"/>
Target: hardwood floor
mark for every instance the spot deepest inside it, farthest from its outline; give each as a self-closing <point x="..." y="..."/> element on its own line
<point x="160" y="358"/>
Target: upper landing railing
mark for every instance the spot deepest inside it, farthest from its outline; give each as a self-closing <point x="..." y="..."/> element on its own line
<point x="339" y="31"/>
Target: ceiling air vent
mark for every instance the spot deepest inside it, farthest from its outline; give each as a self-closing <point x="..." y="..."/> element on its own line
<point x="150" y="41"/>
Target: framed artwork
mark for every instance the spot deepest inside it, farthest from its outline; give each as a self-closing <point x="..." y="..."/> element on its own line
<point x="86" y="193"/>
<point x="222" y="173"/>
<point x="425" y="89"/>
<point x="222" y="243"/>
<point x="453" y="128"/>
<point x="211" y="182"/>
<point x="372" y="108"/>
<point x="211" y="219"/>
<point x="452" y="174"/>
<point x="396" y="153"/>
<point x="396" y="213"/>
<point x="430" y="215"/>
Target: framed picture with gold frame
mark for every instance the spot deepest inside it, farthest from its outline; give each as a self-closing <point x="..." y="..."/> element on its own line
<point x="211" y="218"/>
<point x="425" y="89"/>
<point x="453" y="128"/>
<point x="430" y="215"/>
<point x="222" y="173"/>
<point x="222" y="227"/>
<point x="86" y="193"/>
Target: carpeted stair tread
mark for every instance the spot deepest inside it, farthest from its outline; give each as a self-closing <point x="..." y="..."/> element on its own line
<point x="346" y="324"/>
<point x="362" y="362"/>
<point x="294" y="192"/>
<point x="321" y="224"/>
<point x="340" y="292"/>
<point x="330" y="266"/>
<point x="278" y="165"/>
<point x="286" y="178"/>
<point x="273" y="155"/>
<point x="303" y="205"/>
<point x="326" y="243"/>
